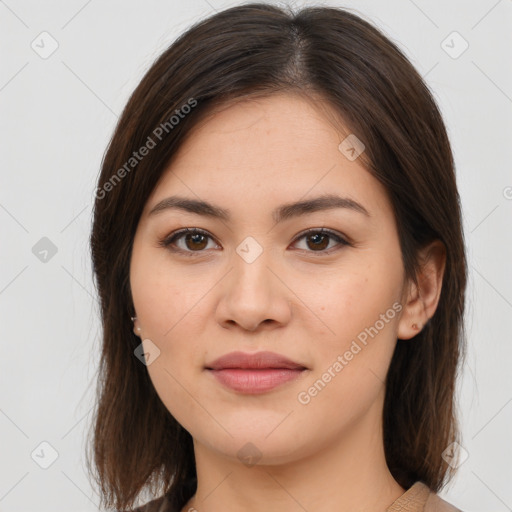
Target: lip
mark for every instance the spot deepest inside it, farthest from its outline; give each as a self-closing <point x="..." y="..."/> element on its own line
<point x="255" y="361"/>
<point x="254" y="373"/>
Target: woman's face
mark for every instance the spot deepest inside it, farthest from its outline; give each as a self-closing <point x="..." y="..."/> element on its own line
<point x="253" y="281"/>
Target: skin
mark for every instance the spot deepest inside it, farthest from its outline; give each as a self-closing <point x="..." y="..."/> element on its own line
<point x="324" y="455"/>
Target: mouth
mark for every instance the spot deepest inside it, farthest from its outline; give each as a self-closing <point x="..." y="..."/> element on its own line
<point x="251" y="381"/>
<point x="254" y="373"/>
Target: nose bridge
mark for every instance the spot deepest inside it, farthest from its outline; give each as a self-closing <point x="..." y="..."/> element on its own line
<point x="252" y="295"/>
<point x="251" y="262"/>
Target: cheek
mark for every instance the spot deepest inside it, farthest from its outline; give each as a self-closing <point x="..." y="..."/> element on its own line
<point x="352" y="363"/>
<point x="352" y="299"/>
<point x="361" y="306"/>
<point x="164" y="302"/>
<point x="163" y="296"/>
<point x="171" y="314"/>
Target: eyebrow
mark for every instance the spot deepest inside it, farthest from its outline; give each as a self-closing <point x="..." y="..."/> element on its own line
<point x="281" y="213"/>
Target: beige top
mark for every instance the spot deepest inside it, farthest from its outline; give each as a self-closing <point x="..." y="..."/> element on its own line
<point x="418" y="498"/>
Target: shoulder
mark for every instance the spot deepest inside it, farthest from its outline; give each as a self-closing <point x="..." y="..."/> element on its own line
<point x="436" y="504"/>
<point x="161" y="504"/>
<point x="420" y="498"/>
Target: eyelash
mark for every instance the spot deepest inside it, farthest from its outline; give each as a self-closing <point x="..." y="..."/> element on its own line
<point x="169" y="241"/>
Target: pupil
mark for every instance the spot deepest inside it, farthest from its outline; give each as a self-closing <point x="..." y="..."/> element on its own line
<point x="316" y="237"/>
<point x="196" y="238"/>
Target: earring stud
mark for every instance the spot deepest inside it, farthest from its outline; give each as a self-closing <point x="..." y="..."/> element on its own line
<point x="414" y="326"/>
<point x="133" y="320"/>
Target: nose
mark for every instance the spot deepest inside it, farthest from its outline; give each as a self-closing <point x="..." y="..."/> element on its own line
<point x="253" y="297"/>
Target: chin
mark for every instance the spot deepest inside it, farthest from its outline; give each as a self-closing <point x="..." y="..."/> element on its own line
<point x="251" y="445"/>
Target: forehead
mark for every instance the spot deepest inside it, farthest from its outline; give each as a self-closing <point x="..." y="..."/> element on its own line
<point x="267" y="151"/>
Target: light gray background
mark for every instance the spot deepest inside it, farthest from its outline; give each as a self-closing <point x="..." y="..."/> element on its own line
<point x="57" y="115"/>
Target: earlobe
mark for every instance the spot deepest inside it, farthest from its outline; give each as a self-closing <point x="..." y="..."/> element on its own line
<point x="136" y="327"/>
<point x="422" y="299"/>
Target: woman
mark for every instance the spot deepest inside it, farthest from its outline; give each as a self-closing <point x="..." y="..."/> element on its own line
<point x="278" y="250"/>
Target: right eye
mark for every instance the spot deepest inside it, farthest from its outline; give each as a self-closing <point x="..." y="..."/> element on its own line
<point x="195" y="241"/>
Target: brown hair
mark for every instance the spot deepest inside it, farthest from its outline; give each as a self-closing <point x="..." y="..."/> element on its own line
<point x="334" y="55"/>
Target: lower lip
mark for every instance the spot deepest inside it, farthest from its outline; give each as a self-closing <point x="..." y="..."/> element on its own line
<point x="255" y="381"/>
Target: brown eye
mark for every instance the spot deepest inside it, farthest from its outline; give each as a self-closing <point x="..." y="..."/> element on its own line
<point x="317" y="240"/>
<point x="194" y="241"/>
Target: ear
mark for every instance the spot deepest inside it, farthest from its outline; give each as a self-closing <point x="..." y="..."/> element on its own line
<point x="420" y="302"/>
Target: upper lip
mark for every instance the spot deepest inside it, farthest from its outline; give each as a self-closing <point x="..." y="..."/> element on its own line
<point x="256" y="360"/>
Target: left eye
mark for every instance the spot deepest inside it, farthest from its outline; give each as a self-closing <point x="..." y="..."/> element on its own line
<point x="196" y="240"/>
<point x="317" y="239"/>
